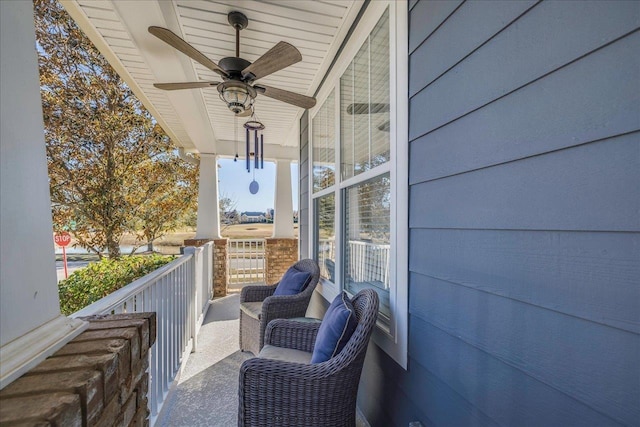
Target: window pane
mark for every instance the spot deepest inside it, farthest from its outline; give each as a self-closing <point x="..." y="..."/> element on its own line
<point x="364" y="105"/>
<point x="323" y="143"/>
<point x="326" y="235"/>
<point x="367" y="237"/>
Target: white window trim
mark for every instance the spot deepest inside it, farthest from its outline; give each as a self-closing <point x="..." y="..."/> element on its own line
<point x="394" y="341"/>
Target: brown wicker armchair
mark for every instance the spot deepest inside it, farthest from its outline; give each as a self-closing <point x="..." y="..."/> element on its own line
<point x="281" y="393"/>
<point x="258" y="306"/>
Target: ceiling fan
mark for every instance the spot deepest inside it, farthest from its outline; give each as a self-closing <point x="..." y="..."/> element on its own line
<point x="237" y="89"/>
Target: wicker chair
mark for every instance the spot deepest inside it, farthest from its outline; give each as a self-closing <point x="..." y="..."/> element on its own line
<point x="280" y="393"/>
<point x="258" y="306"/>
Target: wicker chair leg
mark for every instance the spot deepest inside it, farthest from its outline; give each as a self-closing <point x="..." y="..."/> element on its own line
<point x="249" y="334"/>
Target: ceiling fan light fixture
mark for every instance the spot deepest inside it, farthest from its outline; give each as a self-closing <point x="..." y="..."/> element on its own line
<point x="237" y="95"/>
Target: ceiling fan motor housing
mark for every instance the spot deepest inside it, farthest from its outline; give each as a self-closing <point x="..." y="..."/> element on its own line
<point x="234" y="66"/>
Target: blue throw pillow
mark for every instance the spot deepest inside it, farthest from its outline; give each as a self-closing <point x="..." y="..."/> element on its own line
<point x="293" y="282"/>
<point x="336" y="329"/>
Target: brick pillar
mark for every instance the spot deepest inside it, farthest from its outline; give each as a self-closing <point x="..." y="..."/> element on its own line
<point x="279" y="255"/>
<point x="196" y="242"/>
<point x="220" y="267"/>
<point x="99" y="378"/>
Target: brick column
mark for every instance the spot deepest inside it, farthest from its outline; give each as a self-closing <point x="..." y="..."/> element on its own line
<point x="196" y="242"/>
<point x="99" y="378"/>
<point x="279" y="255"/>
<point x="220" y="264"/>
<point x="220" y="267"/>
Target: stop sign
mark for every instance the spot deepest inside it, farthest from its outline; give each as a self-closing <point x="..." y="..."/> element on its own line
<point x="62" y="239"/>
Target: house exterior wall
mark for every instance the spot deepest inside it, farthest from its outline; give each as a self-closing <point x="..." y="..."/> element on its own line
<point x="524" y="242"/>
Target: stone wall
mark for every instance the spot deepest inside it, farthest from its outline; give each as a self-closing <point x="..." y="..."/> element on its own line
<point x="279" y="255"/>
<point x="98" y="379"/>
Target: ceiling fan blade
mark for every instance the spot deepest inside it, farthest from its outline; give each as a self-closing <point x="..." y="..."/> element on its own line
<point x="292" y="98"/>
<point x="365" y="108"/>
<point x="278" y="57"/>
<point x="176" y="42"/>
<point x="188" y="85"/>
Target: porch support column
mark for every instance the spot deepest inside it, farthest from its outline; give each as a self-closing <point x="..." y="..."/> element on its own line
<point x="283" y="221"/>
<point x="208" y="224"/>
<point x="31" y="326"/>
<point x="281" y="250"/>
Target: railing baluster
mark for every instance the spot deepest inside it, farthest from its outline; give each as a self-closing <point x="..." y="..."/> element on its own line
<point x="246" y="260"/>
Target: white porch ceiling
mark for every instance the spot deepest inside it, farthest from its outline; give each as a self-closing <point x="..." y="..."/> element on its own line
<point x="196" y="119"/>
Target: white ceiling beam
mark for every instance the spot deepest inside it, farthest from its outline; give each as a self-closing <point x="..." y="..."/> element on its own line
<point x="168" y="65"/>
<point x="87" y="26"/>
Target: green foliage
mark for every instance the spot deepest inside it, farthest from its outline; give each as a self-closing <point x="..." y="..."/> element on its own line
<point x="102" y="278"/>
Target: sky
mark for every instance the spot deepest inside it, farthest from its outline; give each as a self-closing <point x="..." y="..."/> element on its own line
<point x="234" y="182"/>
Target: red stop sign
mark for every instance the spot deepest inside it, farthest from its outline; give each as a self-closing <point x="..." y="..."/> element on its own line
<point x="62" y="239"/>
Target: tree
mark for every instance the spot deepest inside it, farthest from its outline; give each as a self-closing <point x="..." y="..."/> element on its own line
<point x="111" y="167"/>
<point x="228" y="213"/>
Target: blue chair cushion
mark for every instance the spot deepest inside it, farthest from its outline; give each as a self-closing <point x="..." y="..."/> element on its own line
<point x="336" y="329"/>
<point x="293" y="282"/>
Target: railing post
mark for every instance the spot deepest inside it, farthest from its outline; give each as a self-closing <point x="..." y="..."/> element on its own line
<point x="191" y="278"/>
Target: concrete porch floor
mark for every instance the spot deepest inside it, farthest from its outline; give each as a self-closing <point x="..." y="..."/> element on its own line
<point x="207" y="391"/>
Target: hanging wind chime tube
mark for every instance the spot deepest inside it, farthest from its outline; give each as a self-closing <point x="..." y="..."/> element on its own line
<point x="235" y="137"/>
<point x="255" y="149"/>
<point x="258" y="144"/>
<point x="247" y="160"/>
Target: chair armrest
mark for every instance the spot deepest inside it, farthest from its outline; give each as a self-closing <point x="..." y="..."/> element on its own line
<point x="294" y="334"/>
<point x="285" y="306"/>
<point x="257" y="293"/>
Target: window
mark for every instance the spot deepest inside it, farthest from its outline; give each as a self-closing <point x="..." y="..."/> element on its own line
<point x="326" y="236"/>
<point x="367" y="239"/>
<point x="359" y="158"/>
<point x="324" y="159"/>
<point x="364" y="105"/>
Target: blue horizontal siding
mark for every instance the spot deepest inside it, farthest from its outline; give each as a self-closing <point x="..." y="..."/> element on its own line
<point x="556" y="270"/>
<point x="524" y="219"/>
<point x="589" y="187"/>
<point x="503" y="392"/>
<point x="586" y="360"/>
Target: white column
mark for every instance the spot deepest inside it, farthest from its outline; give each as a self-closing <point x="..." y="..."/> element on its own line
<point x="31" y="326"/>
<point x="208" y="224"/>
<point x="283" y="221"/>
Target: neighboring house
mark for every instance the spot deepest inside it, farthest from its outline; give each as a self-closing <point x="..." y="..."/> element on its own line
<point x="252" y="217"/>
<point x="487" y="152"/>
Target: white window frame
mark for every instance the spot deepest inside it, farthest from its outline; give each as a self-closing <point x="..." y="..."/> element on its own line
<point x="393" y="339"/>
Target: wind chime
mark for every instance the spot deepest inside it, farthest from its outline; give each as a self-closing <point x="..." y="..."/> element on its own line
<point x="253" y="125"/>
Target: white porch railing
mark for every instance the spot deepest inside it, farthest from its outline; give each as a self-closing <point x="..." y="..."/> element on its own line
<point x="369" y="262"/>
<point x="246" y="260"/>
<point x="179" y="294"/>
